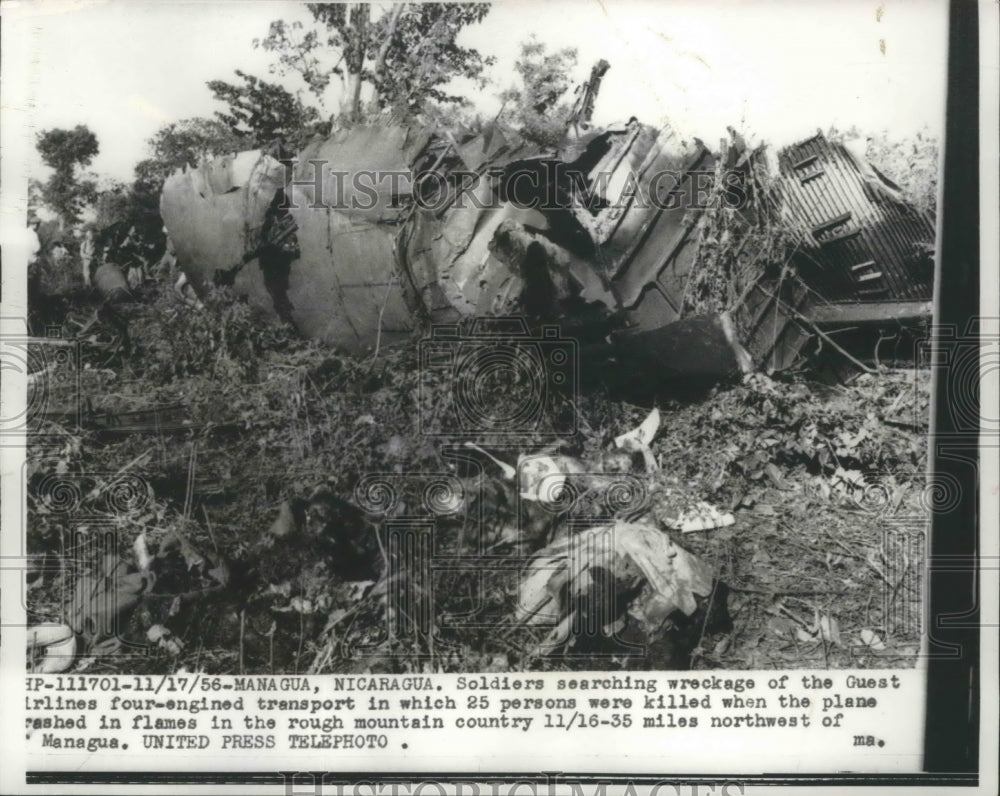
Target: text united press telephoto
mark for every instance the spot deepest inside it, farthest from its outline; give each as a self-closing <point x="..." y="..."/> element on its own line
<point x="402" y="378"/>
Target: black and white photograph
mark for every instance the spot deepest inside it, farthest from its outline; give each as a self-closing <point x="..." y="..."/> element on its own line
<point x="578" y="349"/>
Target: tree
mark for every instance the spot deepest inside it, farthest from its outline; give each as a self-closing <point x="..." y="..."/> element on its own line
<point x="64" y="151"/>
<point x="419" y="56"/>
<point x="406" y="57"/>
<point x="121" y="205"/>
<point x="536" y="107"/>
<point x="116" y="207"/>
<point x="183" y="143"/>
<point x="36" y="198"/>
<point x="909" y="162"/>
<point x="261" y="112"/>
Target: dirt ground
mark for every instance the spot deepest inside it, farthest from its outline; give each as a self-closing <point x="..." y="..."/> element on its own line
<point x="219" y="459"/>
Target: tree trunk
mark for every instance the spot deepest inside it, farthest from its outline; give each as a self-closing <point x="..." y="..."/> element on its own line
<point x="355" y="49"/>
<point x="383" y="50"/>
<point x="351" y="105"/>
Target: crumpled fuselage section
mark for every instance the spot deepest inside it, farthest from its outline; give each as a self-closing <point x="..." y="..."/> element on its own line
<point x="380" y="230"/>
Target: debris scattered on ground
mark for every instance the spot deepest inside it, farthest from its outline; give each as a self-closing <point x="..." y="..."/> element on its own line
<point x="597" y="576"/>
<point x="639" y="439"/>
<point x="871" y="641"/>
<point x="51" y="648"/>
<point x="256" y="557"/>
<point x="543" y="478"/>
<point x="702" y="517"/>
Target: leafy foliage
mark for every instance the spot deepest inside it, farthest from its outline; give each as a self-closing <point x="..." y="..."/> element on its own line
<point x="183" y="143"/>
<point x="261" y="112"/>
<point x="764" y="424"/>
<point x="536" y="105"/>
<point x="65" y="150"/>
<point x="909" y="162"/>
<point x="795" y="462"/>
<point x="68" y="195"/>
<point x="36" y="199"/>
<point x="736" y="249"/>
<point x="423" y="57"/>
<point x="406" y="56"/>
<point x="122" y="205"/>
<point x="225" y="341"/>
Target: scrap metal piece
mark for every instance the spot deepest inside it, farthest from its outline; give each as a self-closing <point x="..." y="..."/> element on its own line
<point x="214" y="222"/>
<point x="344" y="288"/>
<point x="586" y="95"/>
<point x="862" y="241"/>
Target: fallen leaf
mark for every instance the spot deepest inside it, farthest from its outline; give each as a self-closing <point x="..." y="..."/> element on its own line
<point x="358" y="589"/>
<point x="301" y="604"/>
<point x="775" y="475"/>
<point x="498" y="663"/>
<point x="829" y="629"/>
<point x="871" y="640"/>
<point x="702" y="517"/>
<point x="142" y="556"/>
<point x="156" y="633"/>
<point x="284" y="523"/>
<point x="47" y="633"/>
<point x="614" y="628"/>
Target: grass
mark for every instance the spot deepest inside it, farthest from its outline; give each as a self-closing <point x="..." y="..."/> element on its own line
<point x="811" y="472"/>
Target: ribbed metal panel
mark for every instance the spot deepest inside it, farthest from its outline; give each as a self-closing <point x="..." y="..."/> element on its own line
<point x="859" y="237"/>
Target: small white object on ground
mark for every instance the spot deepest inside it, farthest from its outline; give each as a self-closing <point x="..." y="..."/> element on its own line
<point x="639" y="438"/>
<point x="543" y="478"/>
<point x="702" y="517"/>
<point x="59" y="642"/>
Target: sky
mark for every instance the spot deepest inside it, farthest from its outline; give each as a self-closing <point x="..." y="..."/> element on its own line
<point x="777" y="70"/>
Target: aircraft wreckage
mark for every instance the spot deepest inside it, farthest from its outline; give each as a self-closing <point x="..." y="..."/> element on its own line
<point x="627" y="237"/>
